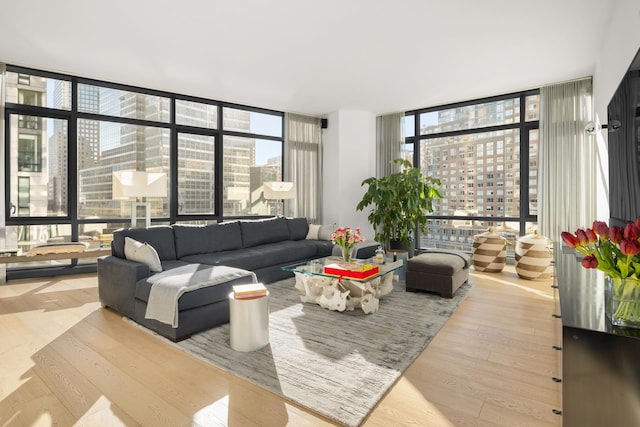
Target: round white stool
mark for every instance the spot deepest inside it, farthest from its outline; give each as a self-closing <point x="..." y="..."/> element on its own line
<point x="249" y="322"/>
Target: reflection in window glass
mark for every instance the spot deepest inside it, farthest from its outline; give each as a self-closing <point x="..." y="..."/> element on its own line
<point x="196" y="173"/>
<point x="121" y="103"/>
<point x="197" y="114"/>
<point x="471" y="116"/>
<point x="251" y="122"/>
<point x="248" y="164"/>
<point x="114" y="147"/>
<point x="38" y="181"/>
<point x="28" y="89"/>
<point x="26" y="237"/>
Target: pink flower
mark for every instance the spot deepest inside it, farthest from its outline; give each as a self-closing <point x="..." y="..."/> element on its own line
<point x="346" y="238"/>
<point x="591" y="236"/>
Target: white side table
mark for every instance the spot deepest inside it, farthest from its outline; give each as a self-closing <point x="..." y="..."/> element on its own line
<point x="249" y="323"/>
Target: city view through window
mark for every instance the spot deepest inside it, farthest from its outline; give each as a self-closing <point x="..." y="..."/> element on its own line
<point x="486" y="155"/>
<point x="217" y="157"/>
<point x="62" y="158"/>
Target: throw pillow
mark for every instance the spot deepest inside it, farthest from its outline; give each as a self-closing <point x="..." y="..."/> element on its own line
<point x="142" y="252"/>
<point x="313" y="232"/>
<point x="326" y="231"/>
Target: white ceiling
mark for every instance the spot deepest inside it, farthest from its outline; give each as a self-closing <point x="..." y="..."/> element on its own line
<point x="312" y="57"/>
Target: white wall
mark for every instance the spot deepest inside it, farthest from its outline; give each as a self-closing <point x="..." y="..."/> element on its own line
<point x="618" y="49"/>
<point x="349" y="153"/>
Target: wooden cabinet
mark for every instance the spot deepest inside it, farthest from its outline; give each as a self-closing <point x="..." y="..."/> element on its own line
<point x="600" y="363"/>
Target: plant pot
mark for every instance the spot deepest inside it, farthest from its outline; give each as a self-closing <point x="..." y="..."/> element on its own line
<point x="622" y="301"/>
<point x="396" y="245"/>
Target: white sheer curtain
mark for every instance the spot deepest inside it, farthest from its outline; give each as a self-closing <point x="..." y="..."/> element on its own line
<point x="303" y="154"/>
<point x="389" y="139"/>
<point x="3" y="267"/>
<point x="567" y="182"/>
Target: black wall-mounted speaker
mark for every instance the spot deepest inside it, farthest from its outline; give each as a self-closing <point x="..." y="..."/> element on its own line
<point x="324" y="123"/>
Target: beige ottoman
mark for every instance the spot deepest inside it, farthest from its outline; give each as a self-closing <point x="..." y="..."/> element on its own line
<point x="439" y="271"/>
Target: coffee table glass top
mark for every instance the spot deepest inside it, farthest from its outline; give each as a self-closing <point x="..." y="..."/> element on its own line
<point x="316" y="267"/>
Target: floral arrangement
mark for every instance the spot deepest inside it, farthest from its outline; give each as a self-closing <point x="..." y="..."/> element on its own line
<point x="613" y="250"/>
<point x="346" y="238"/>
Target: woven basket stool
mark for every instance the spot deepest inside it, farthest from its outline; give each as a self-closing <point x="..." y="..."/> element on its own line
<point x="439" y="271"/>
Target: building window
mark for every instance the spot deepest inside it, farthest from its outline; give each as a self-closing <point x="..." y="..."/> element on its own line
<point x="24" y="196"/>
<point x="478" y="134"/>
<point x="29" y="159"/>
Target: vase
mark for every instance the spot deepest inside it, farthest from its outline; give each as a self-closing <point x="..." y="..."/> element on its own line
<point x="348" y="254"/>
<point x="622" y="301"/>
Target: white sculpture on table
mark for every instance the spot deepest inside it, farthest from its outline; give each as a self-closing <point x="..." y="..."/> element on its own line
<point x="334" y="299"/>
<point x="369" y="303"/>
<point x="342" y="294"/>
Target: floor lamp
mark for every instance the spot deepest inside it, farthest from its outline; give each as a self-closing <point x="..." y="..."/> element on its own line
<point x="280" y="191"/>
<point x="139" y="185"/>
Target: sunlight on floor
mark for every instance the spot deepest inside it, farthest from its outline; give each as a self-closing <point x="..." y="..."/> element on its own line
<point x="410" y="393"/>
<point x="218" y="410"/>
<point x="513" y="282"/>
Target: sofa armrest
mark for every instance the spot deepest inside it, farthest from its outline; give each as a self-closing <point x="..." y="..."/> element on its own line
<point x="117" y="279"/>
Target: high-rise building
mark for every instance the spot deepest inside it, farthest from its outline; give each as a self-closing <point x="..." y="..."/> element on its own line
<point x="479" y="171"/>
<point x="28" y="149"/>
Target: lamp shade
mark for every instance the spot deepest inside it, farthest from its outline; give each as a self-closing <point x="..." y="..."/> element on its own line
<point x="131" y="184"/>
<point x="279" y="190"/>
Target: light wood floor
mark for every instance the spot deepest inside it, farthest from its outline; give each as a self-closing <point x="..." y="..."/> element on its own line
<point x="66" y="361"/>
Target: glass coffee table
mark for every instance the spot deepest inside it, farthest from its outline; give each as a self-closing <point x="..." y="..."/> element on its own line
<point x="343" y="293"/>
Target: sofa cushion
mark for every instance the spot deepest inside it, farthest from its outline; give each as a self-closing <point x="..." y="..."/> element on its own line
<point x="192" y="274"/>
<point x="298" y="228"/>
<point x="270" y="254"/>
<point x="201" y="239"/>
<point x="312" y="234"/>
<point x="142" y="252"/>
<point x="158" y="236"/>
<point x="263" y="231"/>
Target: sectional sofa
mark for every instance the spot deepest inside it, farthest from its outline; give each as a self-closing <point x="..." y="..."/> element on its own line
<point x="210" y="259"/>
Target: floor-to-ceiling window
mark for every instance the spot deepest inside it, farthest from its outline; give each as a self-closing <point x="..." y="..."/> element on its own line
<point x="485" y="152"/>
<point x="67" y="135"/>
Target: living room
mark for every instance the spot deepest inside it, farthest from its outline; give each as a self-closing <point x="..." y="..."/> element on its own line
<point x="347" y="64"/>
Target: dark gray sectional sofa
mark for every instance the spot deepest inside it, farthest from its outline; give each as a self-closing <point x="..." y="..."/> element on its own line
<point x="260" y="246"/>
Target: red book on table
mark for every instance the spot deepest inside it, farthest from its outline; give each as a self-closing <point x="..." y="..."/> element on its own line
<point x="352" y="271"/>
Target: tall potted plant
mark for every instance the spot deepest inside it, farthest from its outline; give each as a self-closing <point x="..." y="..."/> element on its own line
<point x="400" y="202"/>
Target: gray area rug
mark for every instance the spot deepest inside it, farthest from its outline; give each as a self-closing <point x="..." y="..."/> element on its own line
<point x="336" y="364"/>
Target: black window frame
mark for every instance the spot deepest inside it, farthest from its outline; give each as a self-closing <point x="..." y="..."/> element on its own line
<point x="73" y="116"/>
<point x="523" y="126"/>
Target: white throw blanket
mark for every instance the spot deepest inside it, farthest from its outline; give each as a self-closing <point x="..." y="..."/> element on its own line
<point x="168" y="286"/>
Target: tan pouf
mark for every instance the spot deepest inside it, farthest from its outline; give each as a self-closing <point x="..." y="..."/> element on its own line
<point x="489" y="253"/>
<point x="534" y="257"/>
<point x="440" y="271"/>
